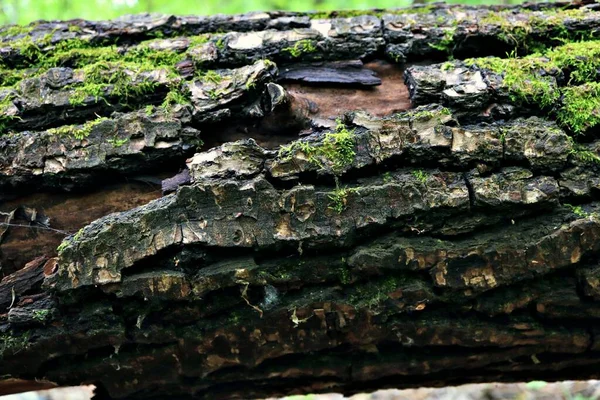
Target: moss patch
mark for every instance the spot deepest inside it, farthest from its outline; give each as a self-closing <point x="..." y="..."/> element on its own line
<point x="77" y="132"/>
<point x="538" y="78"/>
<point x="548" y="26"/>
<point x="300" y="47"/>
<point x="337" y="150"/>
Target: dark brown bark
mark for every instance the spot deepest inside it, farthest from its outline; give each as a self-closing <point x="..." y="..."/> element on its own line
<point x="309" y="246"/>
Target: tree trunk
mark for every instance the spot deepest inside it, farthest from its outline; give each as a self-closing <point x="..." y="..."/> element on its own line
<point x="304" y="203"/>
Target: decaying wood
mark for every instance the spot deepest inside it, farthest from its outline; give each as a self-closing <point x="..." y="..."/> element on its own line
<point x="340" y="230"/>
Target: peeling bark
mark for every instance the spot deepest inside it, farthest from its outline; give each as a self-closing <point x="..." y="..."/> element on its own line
<point x="328" y="236"/>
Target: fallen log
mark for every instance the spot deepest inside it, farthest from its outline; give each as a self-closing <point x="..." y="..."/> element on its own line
<point x="329" y="236"/>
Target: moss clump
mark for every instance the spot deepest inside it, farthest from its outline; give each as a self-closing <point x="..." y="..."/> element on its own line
<point x="581" y="109"/>
<point x="30" y="49"/>
<point x="527" y="79"/>
<point x="15" y="30"/>
<point x="337" y="149"/>
<point x="211" y="76"/>
<point x="426" y="115"/>
<point x="547" y="25"/>
<point x="6" y="118"/>
<point x="177" y="95"/>
<point x="446" y="44"/>
<point x="77" y="53"/>
<point x="300" y="47"/>
<point x="13" y="344"/>
<point x="373" y="293"/>
<point x="577" y="210"/>
<point x="77" y="132"/>
<point x="535" y="79"/>
<point x="117" y="79"/>
<point x="339" y="198"/>
<point x="420" y="175"/>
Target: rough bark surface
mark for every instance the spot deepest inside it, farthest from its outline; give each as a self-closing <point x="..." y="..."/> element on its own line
<point x="340" y="230"/>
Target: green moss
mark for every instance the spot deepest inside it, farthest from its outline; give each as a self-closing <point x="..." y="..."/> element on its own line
<point x="420" y="175"/>
<point x="77" y="53"/>
<point x="77" y="132"/>
<point x="198" y="40"/>
<point x="446" y="44"/>
<point x="177" y="95"/>
<point x="373" y="293"/>
<point x="339" y="198"/>
<point x="583" y="154"/>
<point x="532" y="79"/>
<point x="117" y="79"/>
<point x="5" y="118"/>
<point x="41" y="315"/>
<point x="62" y="246"/>
<point x="577" y="210"/>
<point x="426" y="115"/>
<point x="549" y="25"/>
<point x="581" y="107"/>
<point x="337" y="149"/>
<point x="15" y="30"/>
<point x="211" y="76"/>
<point x="300" y="47"/>
<point x="118" y="142"/>
<point x="31" y="49"/>
<point x="13" y="344"/>
<point x="344" y="273"/>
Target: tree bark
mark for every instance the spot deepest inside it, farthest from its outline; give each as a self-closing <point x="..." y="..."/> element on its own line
<point x="301" y="249"/>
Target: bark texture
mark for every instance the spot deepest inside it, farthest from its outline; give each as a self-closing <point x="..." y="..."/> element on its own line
<point x="303" y="248"/>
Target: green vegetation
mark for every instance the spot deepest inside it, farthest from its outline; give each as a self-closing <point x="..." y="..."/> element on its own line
<point x="337" y="149"/>
<point x="300" y="47"/>
<point x="211" y="76"/>
<point x="587" y="156"/>
<point x="41" y="315"/>
<point x="118" y="142"/>
<point x="533" y="79"/>
<point x="372" y="293"/>
<point x="420" y="175"/>
<point x="518" y="32"/>
<point x="78" y="132"/>
<point x="581" y="109"/>
<point x="577" y="210"/>
<point x="5" y="104"/>
<point x="446" y="43"/>
<point x="11" y="343"/>
<point x="339" y="198"/>
<point x="177" y="95"/>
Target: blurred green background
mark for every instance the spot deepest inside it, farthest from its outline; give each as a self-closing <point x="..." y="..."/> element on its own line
<point x="25" y="11"/>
